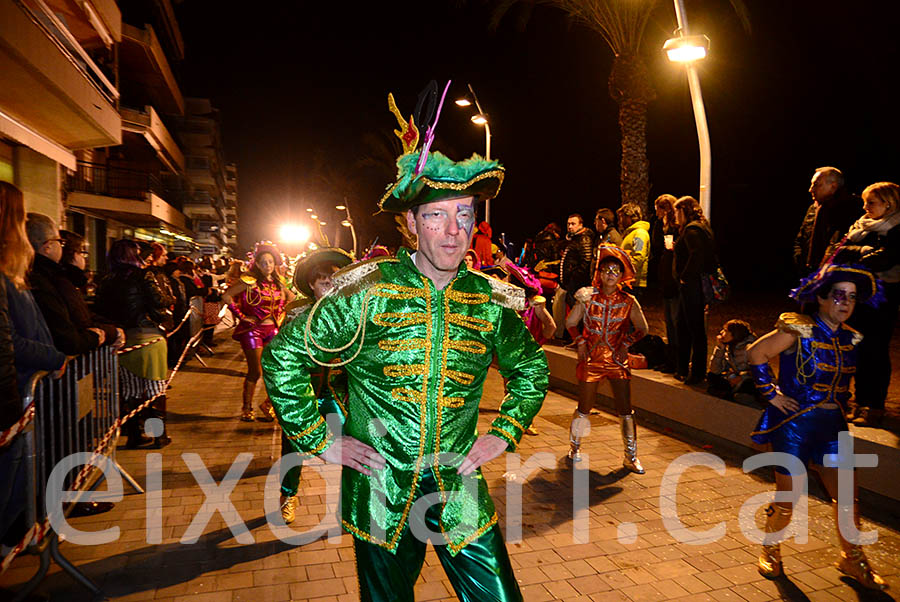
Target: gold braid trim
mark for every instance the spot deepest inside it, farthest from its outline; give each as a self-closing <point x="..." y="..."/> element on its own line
<point x="463" y="378"/>
<point x="470" y="322"/>
<point x="318" y="449"/>
<point x="819" y="345"/>
<point x="402" y="344"/>
<point x="398" y="320"/>
<point x="399" y="370"/>
<point x="367" y="537"/>
<point x="407" y="394"/>
<point x="476" y="347"/>
<point x="451" y="402"/>
<point x="504" y="434"/>
<point x="394" y="291"/>
<point x="827" y="400"/>
<point x="454" y="548"/>
<point x="467" y="298"/>
<point x="438" y="185"/>
<point x="308" y="430"/>
<point x="512" y="421"/>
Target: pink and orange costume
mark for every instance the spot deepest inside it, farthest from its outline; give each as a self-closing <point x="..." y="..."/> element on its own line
<point x="261" y="301"/>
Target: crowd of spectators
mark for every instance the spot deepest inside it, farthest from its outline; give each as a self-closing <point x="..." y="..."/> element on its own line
<point x="674" y="251"/>
<point x="49" y="315"/>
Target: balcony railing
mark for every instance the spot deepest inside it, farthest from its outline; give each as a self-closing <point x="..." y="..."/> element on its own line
<point x="120" y="182"/>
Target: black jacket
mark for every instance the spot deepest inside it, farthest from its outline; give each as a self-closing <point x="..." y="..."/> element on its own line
<point x="70" y="285"/>
<point x="131" y="298"/>
<point x="10" y="402"/>
<point x="823" y="225"/>
<point x="694" y="253"/>
<point x="68" y="337"/>
<point x="575" y="266"/>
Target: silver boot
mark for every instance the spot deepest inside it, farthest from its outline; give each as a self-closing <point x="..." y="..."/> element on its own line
<point x="577" y="429"/>
<point x="629" y="440"/>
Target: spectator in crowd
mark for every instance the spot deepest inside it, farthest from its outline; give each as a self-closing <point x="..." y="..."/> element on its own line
<point x="605" y="223"/>
<point x="545" y="259"/>
<point x="481" y="242"/>
<point x="874" y="242"/>
<point x="694" y="255"/>
<point x="662" y="245"/>
<point x="131" y="297"/>
<point x="179" y="338"/>
<point x="33" y="350"/>
<point x="71" y="285"/>
<point x="156" y="261"/>
<point x="574" y="268"/>
<point x="729" y="368"/>
<point x="45" y="274"/>
<point x="832" y="212"/>
<point x="635" y="242"/>
<point x="235" y="269"/>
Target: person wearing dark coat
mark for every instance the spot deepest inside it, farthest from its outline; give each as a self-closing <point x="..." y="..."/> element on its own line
<point x="874" y="242"/>
<point x="662" y="247"/>
<point x="694" y="255"/>
<point x="43" y="278"/>
<point x="71" y="285"/>
<point x="833" y="211"/>
<point x="130" y="296"/>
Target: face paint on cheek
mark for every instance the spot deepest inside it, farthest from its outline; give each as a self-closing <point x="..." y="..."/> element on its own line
<point x="464" y="219"/>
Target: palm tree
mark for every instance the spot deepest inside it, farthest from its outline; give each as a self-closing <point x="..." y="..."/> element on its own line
<point x="621" y="23"/>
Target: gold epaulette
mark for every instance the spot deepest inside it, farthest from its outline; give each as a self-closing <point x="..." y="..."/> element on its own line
<point x="297" y="306"/>
<point x="794" y="323"/>
<point x="248" y="279"/>
<point x="359" y="276"/>
<point x="857" y="335"/>
<point x="504" y="293"/>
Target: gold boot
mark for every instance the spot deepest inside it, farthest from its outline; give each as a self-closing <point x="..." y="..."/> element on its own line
<point x="855" y="565"/>
<point x="288" y="509"/>
<point x="769" y="563"/>
<point x="577" y="429"/>
<point x="629" y="441"/>
<point x="853" y="561"/>
<point x="247" y="407"/>
<point x="266" y="411"/>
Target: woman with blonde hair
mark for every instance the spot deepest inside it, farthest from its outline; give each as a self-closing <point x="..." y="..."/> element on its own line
<point x="32" y="350"/>
<point x="874" y="242"/>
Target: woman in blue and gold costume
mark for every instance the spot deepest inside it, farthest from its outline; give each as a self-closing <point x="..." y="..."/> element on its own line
<point x="817" y="358"/>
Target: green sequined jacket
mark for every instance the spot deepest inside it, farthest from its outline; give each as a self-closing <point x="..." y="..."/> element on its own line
<point x="418" y="359"/>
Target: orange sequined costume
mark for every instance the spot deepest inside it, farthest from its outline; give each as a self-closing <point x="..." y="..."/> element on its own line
<point x="608" y="331"/>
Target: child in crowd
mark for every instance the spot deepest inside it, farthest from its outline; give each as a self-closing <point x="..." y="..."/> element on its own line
<point x="729" y="368"/>
<point x="612" y="321"/>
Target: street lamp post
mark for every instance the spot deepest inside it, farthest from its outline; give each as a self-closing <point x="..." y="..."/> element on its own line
<point x="348" y="223"/>
<point x="480" y="119"/>
<point x="689" y="49"/>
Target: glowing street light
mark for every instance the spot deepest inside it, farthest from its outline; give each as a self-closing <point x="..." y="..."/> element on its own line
<point x="481" y="119"/>
<point x="309" y="209"/>
<point x="294" y="233"/>
<point x="688" y="49"/>
<point x="313" y="216"/>
<point x="348" y="223"/>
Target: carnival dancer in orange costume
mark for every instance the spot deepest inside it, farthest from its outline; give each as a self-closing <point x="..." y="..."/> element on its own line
<point x="612" y="321"/>
<point x="257" y="301"/>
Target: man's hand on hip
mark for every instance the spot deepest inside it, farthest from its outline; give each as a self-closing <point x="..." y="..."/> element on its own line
<point x="355" y="454"/>
<point x="485" y="449"/>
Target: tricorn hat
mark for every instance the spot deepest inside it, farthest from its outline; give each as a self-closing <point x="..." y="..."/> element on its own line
<point x="312" y="259"/>
<point x="440" y="179"/>
<point x="869" y="289"/>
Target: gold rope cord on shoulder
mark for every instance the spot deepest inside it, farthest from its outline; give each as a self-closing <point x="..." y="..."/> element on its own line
<point x="360" y="334"/>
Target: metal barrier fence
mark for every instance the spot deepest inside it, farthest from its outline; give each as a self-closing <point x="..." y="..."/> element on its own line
<point x="74" y="413"/>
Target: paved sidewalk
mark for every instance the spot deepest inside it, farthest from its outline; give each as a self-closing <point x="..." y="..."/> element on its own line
<point x="629" y="555"/>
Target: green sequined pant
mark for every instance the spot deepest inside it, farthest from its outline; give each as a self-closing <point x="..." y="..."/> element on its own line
<point x="290" y="479"/>
<point x="480" y="572"/>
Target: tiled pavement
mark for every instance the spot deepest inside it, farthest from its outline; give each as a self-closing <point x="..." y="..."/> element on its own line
<point x="629" y="554"/>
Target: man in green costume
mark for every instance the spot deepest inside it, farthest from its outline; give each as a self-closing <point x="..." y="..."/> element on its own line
<point x="417" y="334"/>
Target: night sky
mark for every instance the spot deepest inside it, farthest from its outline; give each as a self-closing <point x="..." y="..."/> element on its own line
<point x="303" y="88"/>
